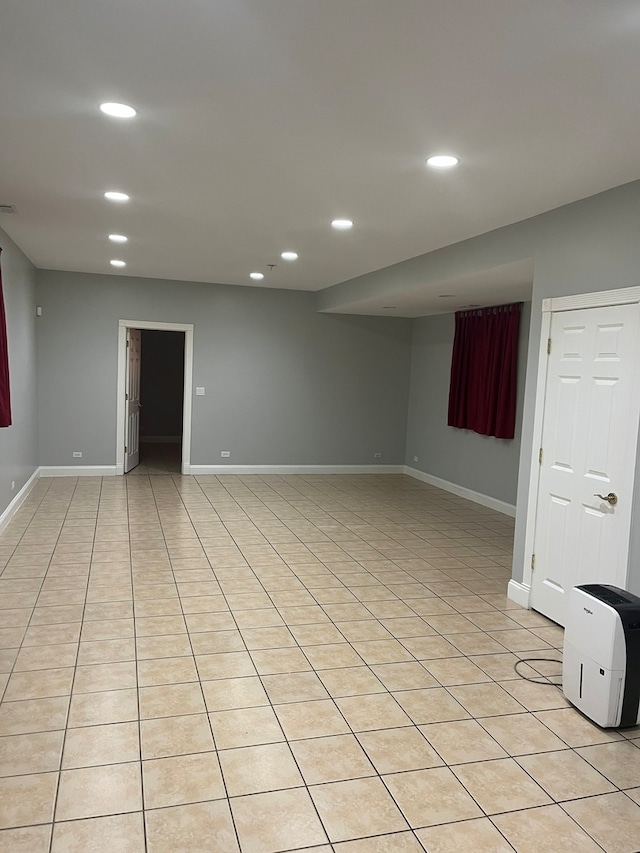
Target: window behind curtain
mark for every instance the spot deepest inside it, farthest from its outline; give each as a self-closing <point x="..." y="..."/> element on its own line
<point x="482" y="393"/>
<point x="5" y="393"/>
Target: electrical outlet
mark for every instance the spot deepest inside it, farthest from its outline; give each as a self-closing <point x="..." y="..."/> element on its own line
<point x="225" y="453"/>
<point x="199" y="391"/>
<point x="377" y="455"/>
<point x="415" y="458"/>
<point x="13" y="485"/>
<point x="77" y="454"/>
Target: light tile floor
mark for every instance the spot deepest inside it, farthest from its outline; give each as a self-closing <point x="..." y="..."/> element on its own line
<point x="282" y="663"/>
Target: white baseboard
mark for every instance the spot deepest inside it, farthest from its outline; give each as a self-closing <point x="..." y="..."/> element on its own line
<point x="296" y="469"/>
<point x="160" y="439"/>
<point x="77" y="470"/>
<point x="519" y="592"/>
<point x="18" y="500"/>
<point x="462" y="491"/>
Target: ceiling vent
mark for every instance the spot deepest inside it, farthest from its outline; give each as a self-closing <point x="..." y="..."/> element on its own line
<point x="8" y="208"/>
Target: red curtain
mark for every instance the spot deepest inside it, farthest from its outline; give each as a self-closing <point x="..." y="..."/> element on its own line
<point x="5" y="394"/>
<point x="482" y="393"/>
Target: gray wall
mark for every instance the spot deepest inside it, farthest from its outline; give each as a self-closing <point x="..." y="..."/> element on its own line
<point x="284" y="384"/>
<point x="19" y="442"/>
<point x="161" y="383"/>
<point x="483" y="463"/>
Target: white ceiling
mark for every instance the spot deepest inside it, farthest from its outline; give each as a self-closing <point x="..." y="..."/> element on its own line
<point x="261" y="120"/>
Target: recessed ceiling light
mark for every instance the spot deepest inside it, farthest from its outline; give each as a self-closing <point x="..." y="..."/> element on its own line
<point x="256" y="276"/>
<point x="289" y="256"/>
<point x="118" y="110"/>
<point x="115" y="196"/>
<point x="342" y="224"/>
<point x="442" y="161"/>
<point x="118" y="238"/>
<point x="117" y="263"/>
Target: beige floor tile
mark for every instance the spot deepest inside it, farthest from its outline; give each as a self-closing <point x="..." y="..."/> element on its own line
<point x="356" y="808"/>
<point x="31" y="753"/>
<point x="431" y="648"/>
<point x="107" y="629"/>
<point x="105" y="676"/>
<point x="245" y="727"/>
<point x="267" y="638"/>
<point x="429" y="797"/>
<point x="619" y="762"/>
<point x="476" y="644"/>
<point x="259" y="833"/>
<point x="39" y="684"/>
<point x="262" y="618"/>
<point x="178" y="670"/>
<point x="397" y="750"/>
<point x="433" y="705"/>
<point x="574" y="729"/>
<point x="156" y="626"/>
<point x="111" y="706"/>
<point x="535" y="697"/>
<point x="332" y="656"/>
<point x="520" y="734"/>
<point x="225" y="665"/>
<point x="312" y="635"/>
<point x="225" y="694"/>
<point x="305" y="615"/>
<point x="544" y="830"/>
<point x="462" y="741"/>
<point x="350" y="681"/>
<point x="97" y="791"/>
<point x="182" y="779"/>
<point x="382" y="652"/>
<point x="485" y="700"/>
<point x="46" y="657"/>
<point x="331" y="759"/>
<point x="498" y="666"/>
<point x="294" y="687"/>
<point x="453" y="671"/>
<point x="565" y="775"/>
<point x="256" y="769"/>
<point x="125" y="833"/>
<point x="363" y="630"/>
<point x="106" y="744"/>
<point x="169" y="646"/>
<point x="373" y="711"/>
<point x="201" y="622"/>
<point x="310" y="719"/>
<point x="500" y="786"/>
<point x="168" y="736"/>
<point x="274" y="661"/>
<point x="33" y="715"/>
<point x="198" y="826"/>
<point x="404" y="676"/>
<point x="478" y="835"/>
<point x="399" y="842"/>
<point x="27" y="839"/>
<point x="171" y="700"/>
<point x="213" y="642"/>
<point x="45" y="635"/>
<point x="106" y="651"/>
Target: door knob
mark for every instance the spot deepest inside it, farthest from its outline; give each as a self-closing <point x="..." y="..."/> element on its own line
<point x="611" y="498"/>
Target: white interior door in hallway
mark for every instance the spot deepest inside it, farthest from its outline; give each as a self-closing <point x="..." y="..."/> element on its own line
<point x="132" y="401"/>
<point x="588" y="453"/>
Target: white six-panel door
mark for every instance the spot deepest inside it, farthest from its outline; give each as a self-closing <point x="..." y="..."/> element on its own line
<point x="132" y="402"/>
<point x="589" y="436"/>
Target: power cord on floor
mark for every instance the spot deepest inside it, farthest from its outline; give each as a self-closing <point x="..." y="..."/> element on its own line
<point x="544" y="679"/>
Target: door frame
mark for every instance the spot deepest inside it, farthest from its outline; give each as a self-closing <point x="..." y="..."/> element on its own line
<point x="187" y="328"/>
<point x="599" y="299"/>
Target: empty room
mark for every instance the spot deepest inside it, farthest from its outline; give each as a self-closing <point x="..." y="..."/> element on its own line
<point x="319" y="426"/>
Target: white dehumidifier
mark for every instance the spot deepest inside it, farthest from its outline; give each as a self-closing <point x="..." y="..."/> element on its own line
<point x="601" y="660"/>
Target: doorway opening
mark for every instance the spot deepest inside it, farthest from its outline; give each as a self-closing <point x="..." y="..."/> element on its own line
<point x="155" y="369"/>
